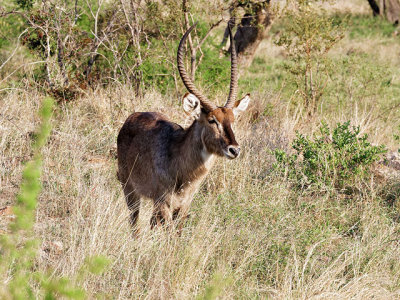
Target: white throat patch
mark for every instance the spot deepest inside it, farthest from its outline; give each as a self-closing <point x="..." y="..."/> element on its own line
<point x="208" y="158"/>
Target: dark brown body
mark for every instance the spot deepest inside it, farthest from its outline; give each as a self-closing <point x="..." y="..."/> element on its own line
<point x="160" y="160"/>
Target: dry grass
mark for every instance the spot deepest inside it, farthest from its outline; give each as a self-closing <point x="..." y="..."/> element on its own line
<point x="247" y="226"/>
<point x="348" y="6"/>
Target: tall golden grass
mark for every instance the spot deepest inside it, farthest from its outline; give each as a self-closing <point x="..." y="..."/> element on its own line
<point x="249" y="234"/>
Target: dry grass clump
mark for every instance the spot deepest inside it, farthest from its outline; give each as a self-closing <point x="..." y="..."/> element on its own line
<point x="346" y="6"/>
<point x="250" y="235"/>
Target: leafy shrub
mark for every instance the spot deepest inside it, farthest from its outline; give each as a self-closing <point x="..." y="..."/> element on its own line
<point x="330" y="158"/>
<point x="308" y="35"/>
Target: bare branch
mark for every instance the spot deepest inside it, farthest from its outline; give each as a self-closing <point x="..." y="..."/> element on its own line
<point x="4" y="13"/>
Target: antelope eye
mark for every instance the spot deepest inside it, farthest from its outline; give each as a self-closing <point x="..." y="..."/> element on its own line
<point x="212" y="121"/>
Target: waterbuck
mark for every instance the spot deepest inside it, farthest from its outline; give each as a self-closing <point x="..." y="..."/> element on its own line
<point x="160" y="160"/>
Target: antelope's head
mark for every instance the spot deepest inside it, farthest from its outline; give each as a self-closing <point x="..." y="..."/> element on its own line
<point x="217" y="122"/>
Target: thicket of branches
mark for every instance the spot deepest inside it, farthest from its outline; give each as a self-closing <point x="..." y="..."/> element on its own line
<point x="83" y="43"/>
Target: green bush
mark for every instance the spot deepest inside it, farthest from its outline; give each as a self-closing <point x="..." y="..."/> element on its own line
<point x="308" y="35"/>
<point x="330" y="159"/>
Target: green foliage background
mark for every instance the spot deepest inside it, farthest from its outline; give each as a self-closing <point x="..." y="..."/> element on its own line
<point x="335" y="158"/>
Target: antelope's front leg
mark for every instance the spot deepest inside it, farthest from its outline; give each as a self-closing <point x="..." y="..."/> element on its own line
<point x="162" y="213"/>
<point x="181" y="213"/>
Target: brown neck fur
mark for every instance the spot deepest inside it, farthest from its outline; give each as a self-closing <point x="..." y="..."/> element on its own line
<point x="187" y="156"/>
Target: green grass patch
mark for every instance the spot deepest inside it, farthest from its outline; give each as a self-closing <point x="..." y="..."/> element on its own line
<point x="366" y="26"/>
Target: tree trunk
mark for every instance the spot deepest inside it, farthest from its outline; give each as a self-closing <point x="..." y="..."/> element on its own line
<point x="251" y="31"/>
<point x="389" y="9"/>
<point x="253" y="28"/>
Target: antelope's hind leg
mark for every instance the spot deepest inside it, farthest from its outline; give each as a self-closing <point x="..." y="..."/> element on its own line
<point x="133" y="202"/>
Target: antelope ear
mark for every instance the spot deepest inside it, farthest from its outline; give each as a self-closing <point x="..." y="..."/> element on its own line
<point x="241" y="105"/>
<point x="191" y="105"/>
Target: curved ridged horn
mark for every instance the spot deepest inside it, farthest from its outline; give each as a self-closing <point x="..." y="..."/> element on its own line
<point x="207" y="104"/>
<point x="234" y="73"/>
